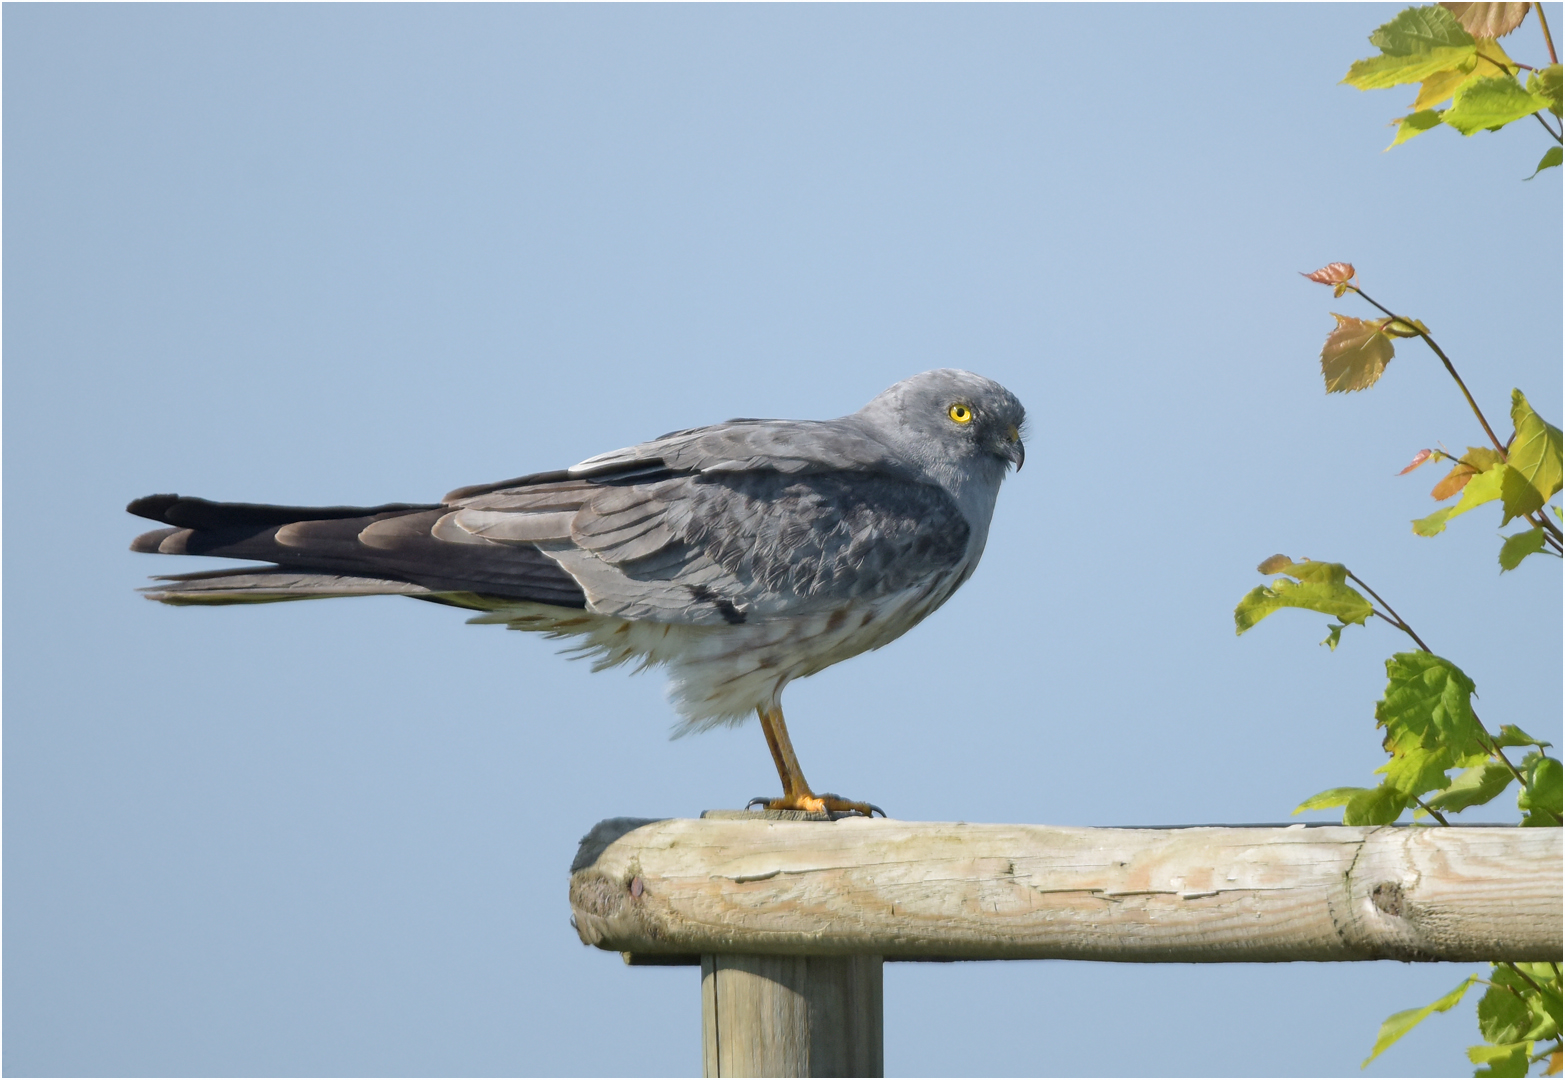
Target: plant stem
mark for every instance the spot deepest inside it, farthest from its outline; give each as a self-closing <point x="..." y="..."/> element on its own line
<point x="1546" y="127"/>
<point x="1525" y="977"/>
<point x="1395" y="619"/>
<point x="1548" y="526"/>
<point x="1431" y="811"/>
<point x="1444" y="359"/>
<point x="1548" y="38"/>
<point x="1498" y="753"/>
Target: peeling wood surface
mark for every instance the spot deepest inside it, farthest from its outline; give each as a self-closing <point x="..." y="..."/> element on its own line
<point x="942" y="890"/>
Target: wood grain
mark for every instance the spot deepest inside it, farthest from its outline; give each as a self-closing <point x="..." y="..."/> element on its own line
<point x="791" y="1015"/>
<point x="940" y="890"/>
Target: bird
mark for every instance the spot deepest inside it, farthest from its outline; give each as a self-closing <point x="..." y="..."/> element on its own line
<point x="740" y="556"/>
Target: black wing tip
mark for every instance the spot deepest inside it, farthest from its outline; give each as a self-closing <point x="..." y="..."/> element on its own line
<point x="151" y="506"/>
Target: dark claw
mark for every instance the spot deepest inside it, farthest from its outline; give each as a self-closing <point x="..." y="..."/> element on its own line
<point x="760" y="800"/>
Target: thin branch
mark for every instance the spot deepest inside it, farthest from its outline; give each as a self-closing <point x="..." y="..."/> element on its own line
<point x="1547" y="128"/>
<point x="1547" y="37"/>
<point x="1548" y="526"/>
<point x="1444" y="359"/>
<point x="1395" y="619"/>
<point x="1496" y="751"/>
<point x="1524" y="976"/>
<point x="1431" y="811"/>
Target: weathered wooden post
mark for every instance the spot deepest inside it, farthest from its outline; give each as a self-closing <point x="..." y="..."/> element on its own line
<point x="790" y="919"/>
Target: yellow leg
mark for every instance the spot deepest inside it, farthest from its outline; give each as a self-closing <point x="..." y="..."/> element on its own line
<point x="796" y="790"/>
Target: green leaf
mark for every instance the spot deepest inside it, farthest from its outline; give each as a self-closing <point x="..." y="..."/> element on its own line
<point x="1517" y="494"/>
<point x="1434" y="524"/>
<point x="1355" y="354"/>
<point x="1473" y="787"/>
<point x="1535" y="449"/>
<point x="1491" y="103"/>
<point x="1334" y="635"/>
<point x="1440" y="86"/>
<point x="1380" y="72"/>
<point x="1414" y="124"/>
<point x="1511" y="1059"/>
<point x="1399" y="1024"/>
<point x="1417" y="769"/>
<point x="1343" y="602"/>
<point x="1427" y="704"/>
<point x="1520" y="545"/>
<point x="1325" y="800"/>
<point x="1483" y="488"/>
<point x="1512" y="1011"/>
<point x="1511" y="735"/>
<point x="1418" y="30"/>
<point x="1546" y="84"/>
<point x="1551" y="159"/>
<point x="1376" y="806"/>
<point x="1540" y="799"/>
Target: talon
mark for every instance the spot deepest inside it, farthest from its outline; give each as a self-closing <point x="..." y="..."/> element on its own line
<point x="837" y="804"/>
<point x="760" y="800"/>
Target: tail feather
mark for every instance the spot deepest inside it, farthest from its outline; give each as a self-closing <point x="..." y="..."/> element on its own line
<point x="318" y="552"/>
<point x="269" y="585"/>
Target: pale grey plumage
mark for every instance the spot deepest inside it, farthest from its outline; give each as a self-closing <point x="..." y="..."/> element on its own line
<point x="743" y="554"/>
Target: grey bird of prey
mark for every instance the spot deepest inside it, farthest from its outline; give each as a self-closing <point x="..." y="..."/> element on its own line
<point x="742" y="556"/>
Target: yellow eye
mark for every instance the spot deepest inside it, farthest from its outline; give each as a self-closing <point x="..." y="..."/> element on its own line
<point x="961" y="414"/>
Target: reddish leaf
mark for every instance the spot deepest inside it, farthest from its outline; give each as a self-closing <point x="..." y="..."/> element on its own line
<point x="1331" y="274"/>
<point x="1477" y="459"/>
<point x="1488" y="20"/>
<point x="1418" y="459"/>
<point x="1355" y="354"/>
<point x="1454" y="481"/>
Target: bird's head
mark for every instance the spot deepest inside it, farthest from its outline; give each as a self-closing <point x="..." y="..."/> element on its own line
<point x="952" y="420"/>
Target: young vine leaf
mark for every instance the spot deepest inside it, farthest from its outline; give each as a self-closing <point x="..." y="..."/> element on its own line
<point x="1318" y="586"/>
<point x="1451" y="52"/>
<point x="1331" y="274"/>
<point x="1476" y="460"/>
<point x="1489" y="104"/>
<point x="1540" y="798"/>
<point x="1399" y="1024"/>
<point x="1355" y="354"/>
<point x="1488" y="20"/>
<point x="1535" y="449"/>
<point x="1512" y="1011"/>
<point x="1550" y="160"/>
<point x="1418" y="459"/>
<point x="1520" y="545"/>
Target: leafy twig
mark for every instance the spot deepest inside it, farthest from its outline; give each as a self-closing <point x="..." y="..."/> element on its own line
<point x="1444" y="359"/>
<point x="1548" y="526"/>
<point x="1390" y="615"/>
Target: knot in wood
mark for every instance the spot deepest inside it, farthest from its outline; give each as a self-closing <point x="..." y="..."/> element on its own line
<point x="1387" y="896"/>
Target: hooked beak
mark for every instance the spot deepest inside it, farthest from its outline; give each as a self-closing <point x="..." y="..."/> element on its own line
<point x="1013" y="450"/>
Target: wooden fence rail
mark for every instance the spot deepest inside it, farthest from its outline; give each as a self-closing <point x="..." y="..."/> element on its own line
<point x="752" y="897"/>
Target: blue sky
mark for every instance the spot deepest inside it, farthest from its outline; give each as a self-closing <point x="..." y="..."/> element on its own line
<point x="355" y="254"/>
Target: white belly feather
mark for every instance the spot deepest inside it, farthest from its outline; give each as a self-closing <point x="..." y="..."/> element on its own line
<point x="722" y="674"/>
